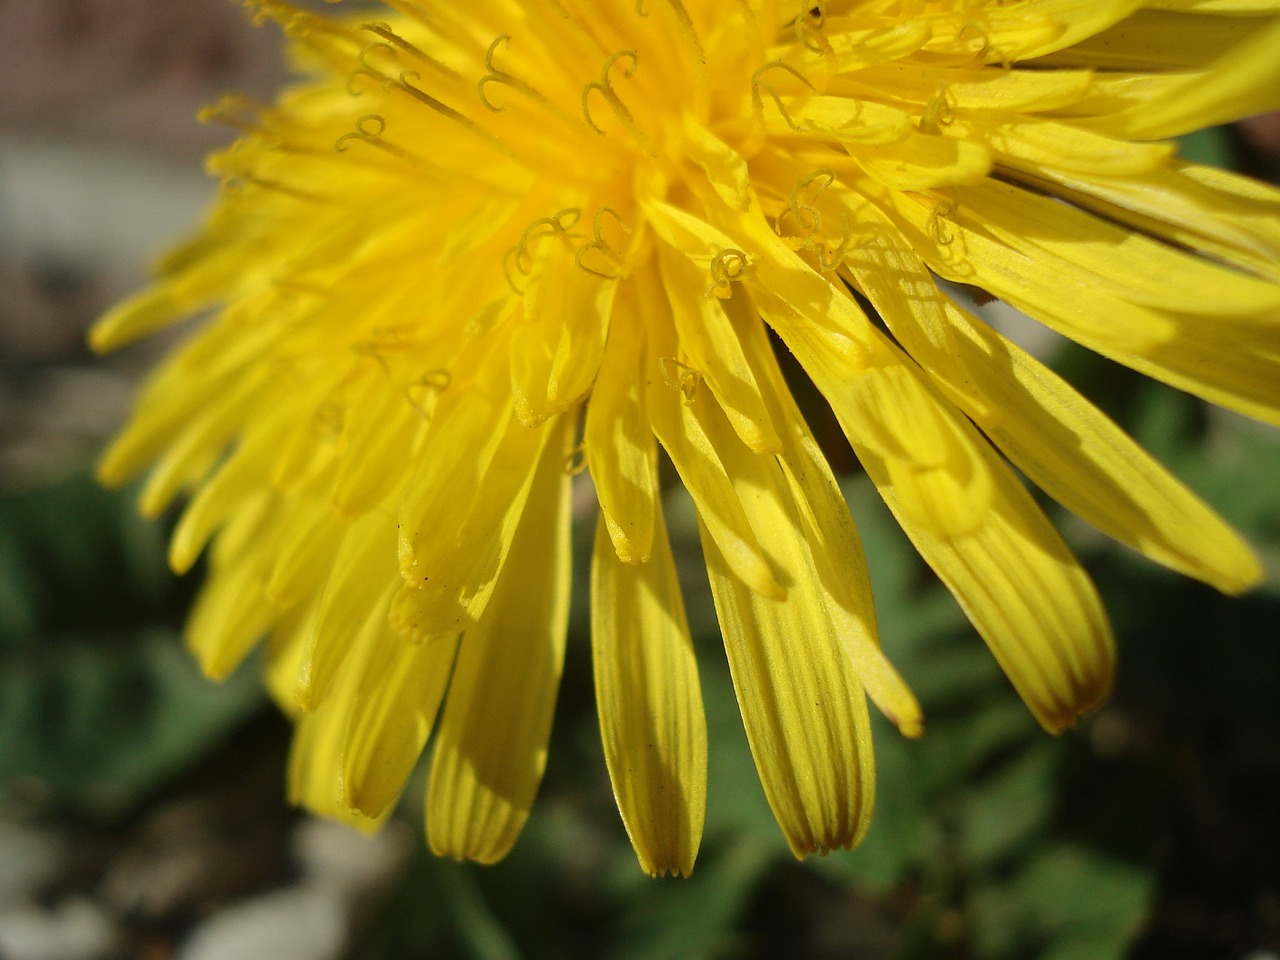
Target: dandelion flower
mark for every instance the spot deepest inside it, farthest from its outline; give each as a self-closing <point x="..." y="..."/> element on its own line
<point x="480" y="246"/>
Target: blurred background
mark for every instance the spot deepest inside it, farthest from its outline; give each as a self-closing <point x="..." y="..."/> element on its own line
<point x="141" y="808"/>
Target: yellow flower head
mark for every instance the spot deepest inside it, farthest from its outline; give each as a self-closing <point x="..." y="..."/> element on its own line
<point x="483" y="245"/>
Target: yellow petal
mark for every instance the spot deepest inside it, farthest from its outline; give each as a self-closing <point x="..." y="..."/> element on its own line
<point x="1217" y="6"/>
<point x="923" y="162"/>
<point x="231" y="614"/>
<point x="399" y="686"/>
<point x="188" y="431"/>
<point x="283" y="656"/>
<point x="1025" y="592"/>
<point x="841" y="119"/>
<point x="884" y="403"/>
<point x="390" y="420"/>
<point x="1243" y="81"/>
<point x="852" y="44"/>
<point x="711" y="346"/>
<point x="831" y="535"/>
<point x="1085" y="250"/>
<point x="143" y="313"/>
<point x="313" y="775"/>
<point x="459" y="514"/>
<point x="680" y="428"/>
<point x="1061" y="441"/>
<point x="1210" y="215"/>
<point x="303" y="555"/>
<point x="1182" y="350"/>
<point x="649" y="702"/>
<point x="195" y="274"/>
<point x="1161" y="40"/>
<point x="362" y="568"/>
<point x="874" y="391"/>
<point x="802" y="705"/>
<point x="968" y="89"/>
<point x="556" y="348"/>
<point x="491" y="747"/>
<point x="245" y="529"/>
<point x="696" y="239"/>
<point x="621" y="450"/>
<point x="1005" y="36"/>
<point x="967" y="515"/>
<point x="224" y="493"/>
<point x="725" y="168"/>
<point x="1029" y="144"/>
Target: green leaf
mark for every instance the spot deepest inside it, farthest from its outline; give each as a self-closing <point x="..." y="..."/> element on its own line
<point x="997" y="921"/>
<point x="1009" y="807"/>
<point x="99" y="702"/>
<point x="1211" y="147"/>
<point x="695" y="919"/>
<point x="1066" y="901"/>
<point x="77" y="558"/>
<point x="97" y="724"/>
<point x="18" y="589"/>
<point x="480" y="930"/>
<point x="1083" y="905"/>
<point x="1213" y="455"/>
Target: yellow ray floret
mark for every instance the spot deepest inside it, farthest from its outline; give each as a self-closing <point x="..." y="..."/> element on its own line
<point x="475" y="251"/>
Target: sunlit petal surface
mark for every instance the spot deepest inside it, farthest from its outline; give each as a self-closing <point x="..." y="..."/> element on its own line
<point x="479" y="247"/>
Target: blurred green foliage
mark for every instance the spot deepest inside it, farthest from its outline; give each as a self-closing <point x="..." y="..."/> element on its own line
<point x="99" y="703"/>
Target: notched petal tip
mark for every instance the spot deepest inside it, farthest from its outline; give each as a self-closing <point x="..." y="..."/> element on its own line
<point x="1063" y="716"/>
<point x="484" y="844"/>
<point x="662" y="870"/>
<point x="667" y="857"/>
<point x="842" y="842"/>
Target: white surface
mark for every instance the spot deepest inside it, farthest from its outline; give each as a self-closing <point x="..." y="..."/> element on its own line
<point x="74" y="930"/>
<point x="342" y="873"/>
<point x="29" y="858"/>
<point x="106" y="208"/>
<point x="302" y="923"/>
